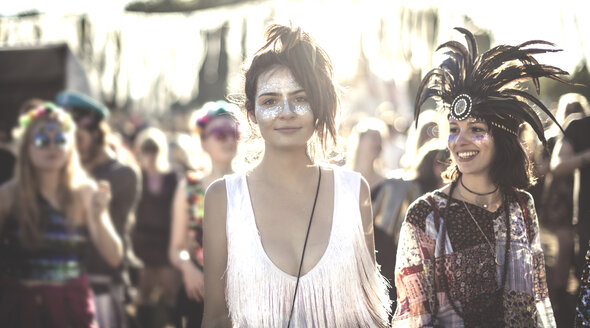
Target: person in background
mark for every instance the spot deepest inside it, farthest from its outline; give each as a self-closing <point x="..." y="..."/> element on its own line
<point x="389" y="197"/>
<point x="571" y="154"/>
<point x="217" y="125"/>
<point x="394" y="143"/>
<point x="290" y="242"/>
<point x="431" y="161"/>
<point x="470" y="253"/>
<point x="418" y="135"/>
<point x="556" y="214"/>
<point x="110" y="284"/>
<point x="158" y="279"/>
<point x="50" y="212"/>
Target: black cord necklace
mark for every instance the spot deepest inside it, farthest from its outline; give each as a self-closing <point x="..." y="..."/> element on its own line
<point x="305" y="246"/>
<point x="476" y="193"/>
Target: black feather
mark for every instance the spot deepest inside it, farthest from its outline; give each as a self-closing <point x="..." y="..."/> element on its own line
<point x="493" y="80"/>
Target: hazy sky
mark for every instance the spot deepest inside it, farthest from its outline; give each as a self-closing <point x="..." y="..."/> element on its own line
<point x="9" y="8"/>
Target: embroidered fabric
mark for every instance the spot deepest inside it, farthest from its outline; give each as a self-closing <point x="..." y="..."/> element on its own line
<point x="472" y="275"/>
<point x="344" y="289"/>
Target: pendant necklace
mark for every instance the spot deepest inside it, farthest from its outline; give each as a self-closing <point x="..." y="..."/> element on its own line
<point x="480" y="197"/>
<point x="484" y="235"/>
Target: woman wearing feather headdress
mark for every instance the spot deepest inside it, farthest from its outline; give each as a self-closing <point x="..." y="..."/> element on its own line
<point x="470" y="253"/>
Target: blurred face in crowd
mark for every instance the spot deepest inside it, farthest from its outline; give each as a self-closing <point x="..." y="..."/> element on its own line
<point x="282" y="110"/>
<point x="220" y="139"/>
<point x="85" y="141"/>
<point x="149" y="154"/>
<point x="369" y="147"/>
<point x="49" y="146"/>
<point x="471" y="145"/>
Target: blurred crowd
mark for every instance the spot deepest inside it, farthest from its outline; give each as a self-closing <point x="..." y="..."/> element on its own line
<point x="157" y="179"/>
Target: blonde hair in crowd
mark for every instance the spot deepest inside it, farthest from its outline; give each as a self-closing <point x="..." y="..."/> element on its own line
<point x="72" y="176"/>
<point x="158" y="137"/>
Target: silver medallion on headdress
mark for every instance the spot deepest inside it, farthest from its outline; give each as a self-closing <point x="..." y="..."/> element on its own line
<point x="461" y="107"/>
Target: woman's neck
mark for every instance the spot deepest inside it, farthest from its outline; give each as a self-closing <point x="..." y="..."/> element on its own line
<point x="48" y="182"/>
<point x="218" y="170"/>
<point x="285" y="167"/>
<point x="478" y="183"/>
<point x="151" y="171"/>
<point x="479" y="190"/>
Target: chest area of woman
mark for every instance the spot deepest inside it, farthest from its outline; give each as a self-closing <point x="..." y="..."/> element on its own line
<point x="282" y="219"/>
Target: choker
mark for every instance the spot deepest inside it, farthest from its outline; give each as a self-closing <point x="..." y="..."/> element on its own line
<point x="477" y="193"/>
<point x="480" y="200"/>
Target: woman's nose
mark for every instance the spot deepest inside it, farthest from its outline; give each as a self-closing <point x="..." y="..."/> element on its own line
<point x="287" y="109"/>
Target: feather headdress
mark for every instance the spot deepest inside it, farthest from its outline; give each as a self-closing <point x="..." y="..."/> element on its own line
<point x="488" y="85"/>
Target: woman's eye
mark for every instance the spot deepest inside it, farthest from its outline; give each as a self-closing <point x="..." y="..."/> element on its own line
<point x="269" y="102"/>
<point x="301" y="99"/>
<point x="478" y="129"/>
<point x="453" y="130"/>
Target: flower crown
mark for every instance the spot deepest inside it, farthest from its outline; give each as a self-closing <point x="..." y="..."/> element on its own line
<point x="48" y="110"/>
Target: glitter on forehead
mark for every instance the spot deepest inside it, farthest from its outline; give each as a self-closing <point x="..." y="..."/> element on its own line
<point x="279" y="84"/>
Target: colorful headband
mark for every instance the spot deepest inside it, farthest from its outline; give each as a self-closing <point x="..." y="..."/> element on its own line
<point x="211" y="110"/>
<point x="50" y="111"/>
<point x="487" y="85"/>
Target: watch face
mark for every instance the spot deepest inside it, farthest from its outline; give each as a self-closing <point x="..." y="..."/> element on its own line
<point x="461" y="107"/>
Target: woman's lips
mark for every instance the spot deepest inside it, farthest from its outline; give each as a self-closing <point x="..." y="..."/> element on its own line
<point x="288" y="129"/>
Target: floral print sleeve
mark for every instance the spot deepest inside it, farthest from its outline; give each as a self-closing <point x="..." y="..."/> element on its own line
<point x="545" y="316"/>
<point x="467" y="246"/>
<point x="413" y="271"/>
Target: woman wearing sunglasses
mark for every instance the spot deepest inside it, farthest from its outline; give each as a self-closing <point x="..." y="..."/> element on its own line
<point x="49" y="213"/>
<point x="216" y="124"/>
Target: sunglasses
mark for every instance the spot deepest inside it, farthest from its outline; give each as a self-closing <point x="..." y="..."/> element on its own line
<point x="42" y="140"/>
<point x="222" y="133"/>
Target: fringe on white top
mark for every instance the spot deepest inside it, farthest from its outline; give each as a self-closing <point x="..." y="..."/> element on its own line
<point x="344" y="289"/>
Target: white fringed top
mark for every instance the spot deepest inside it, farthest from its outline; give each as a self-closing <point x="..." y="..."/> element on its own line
<point x="344" y="289"/>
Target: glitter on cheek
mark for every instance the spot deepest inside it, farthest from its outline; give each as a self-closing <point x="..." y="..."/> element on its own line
<point x="267" y="114"/>
<point x="453" y="138"/>
<point x="482" y="139"/>
<point x="302" y="109"/>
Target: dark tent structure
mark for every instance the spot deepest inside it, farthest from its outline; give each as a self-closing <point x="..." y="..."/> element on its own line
<point x="35" y="72"/>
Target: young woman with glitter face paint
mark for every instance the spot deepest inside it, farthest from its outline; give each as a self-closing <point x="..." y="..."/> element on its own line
<point x="282" y="110"/>
<point x="469" y="253"/>
<point x="290" y="242"/>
